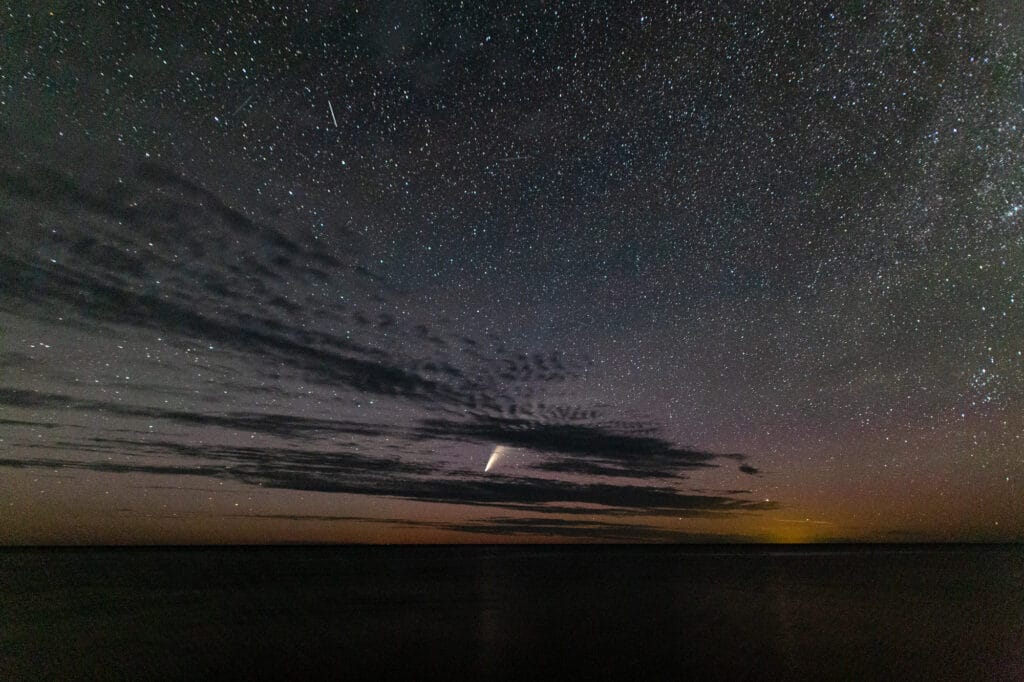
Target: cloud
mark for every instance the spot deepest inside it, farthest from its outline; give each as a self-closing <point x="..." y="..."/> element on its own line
<point x="157" y="252"/>
<point x="576" y="448"/>
<point x="344" y="471"/>
<point x="627" y="450"/>
<point x="33" y="424"/>
<point x="263" y="332"/>
<point x="289" y="426"/>
<point x="589" y="530"/>
<point x="110" y="467"/>
<point x="543" y="527"/>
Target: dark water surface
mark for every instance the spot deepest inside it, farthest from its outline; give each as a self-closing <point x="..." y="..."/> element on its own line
<point x="639" y="612"/>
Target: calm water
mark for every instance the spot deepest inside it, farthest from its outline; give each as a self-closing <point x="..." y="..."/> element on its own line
<point x="513" y="613"/>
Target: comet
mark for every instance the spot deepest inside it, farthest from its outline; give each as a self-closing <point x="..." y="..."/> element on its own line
<point x="498" y="453"/>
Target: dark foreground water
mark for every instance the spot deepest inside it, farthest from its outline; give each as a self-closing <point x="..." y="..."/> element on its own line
<point x="630" y="613"/>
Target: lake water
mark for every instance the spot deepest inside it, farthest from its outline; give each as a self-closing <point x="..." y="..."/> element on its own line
<point x="514" y="613"/>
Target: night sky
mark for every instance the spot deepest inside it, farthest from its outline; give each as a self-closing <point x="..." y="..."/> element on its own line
<point x="302" y="272"/>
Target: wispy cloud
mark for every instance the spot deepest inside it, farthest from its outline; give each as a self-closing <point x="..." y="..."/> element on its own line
<point x="529" y="527"/>
<point x="292" y="342"/>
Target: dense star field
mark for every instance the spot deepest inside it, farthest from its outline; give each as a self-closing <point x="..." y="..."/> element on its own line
<point x="303" y="271"/>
